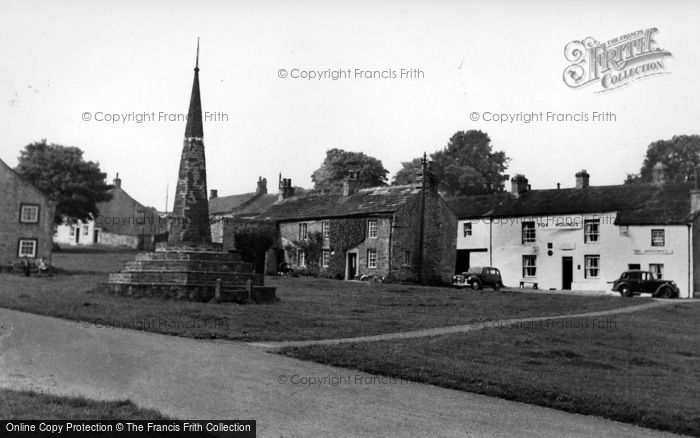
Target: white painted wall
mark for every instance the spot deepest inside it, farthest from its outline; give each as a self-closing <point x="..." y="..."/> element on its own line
<point x="566" y="235"/>
<point x="63" y="234"/>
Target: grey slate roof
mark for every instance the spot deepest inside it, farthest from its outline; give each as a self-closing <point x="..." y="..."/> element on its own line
<point x="372" y="201"/>
<point x="635" y="204"/>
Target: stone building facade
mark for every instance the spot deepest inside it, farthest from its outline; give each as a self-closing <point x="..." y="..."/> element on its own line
<point x="26" y="219"/>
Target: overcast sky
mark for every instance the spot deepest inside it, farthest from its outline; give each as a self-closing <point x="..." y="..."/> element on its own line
<point x="65" y="58"/>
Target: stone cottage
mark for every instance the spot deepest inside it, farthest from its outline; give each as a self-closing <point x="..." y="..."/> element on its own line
<point x="26" y="219"/>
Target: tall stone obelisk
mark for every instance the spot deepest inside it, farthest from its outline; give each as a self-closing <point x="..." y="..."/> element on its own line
<point x="189" y="226"/>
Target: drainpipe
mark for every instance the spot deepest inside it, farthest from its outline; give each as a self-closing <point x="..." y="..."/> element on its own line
<point x="424" y="161"/>
<point x="691" y="286"/>
<point x="391" y="232"/>
<point x="490" y="242"/>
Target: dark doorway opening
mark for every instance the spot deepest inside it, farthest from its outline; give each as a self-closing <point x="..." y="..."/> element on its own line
<point x="352" y="265"/>
<point x="463" y="259"/>
<point x="567" y="272"/>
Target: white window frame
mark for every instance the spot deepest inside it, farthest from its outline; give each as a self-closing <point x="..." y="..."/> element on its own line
<point x="372" y="228"/>
<point x="372" y="258"/>
<point x="624" y="230"/>
<point x="529" y="235"/>
<point x="86" y="230"/>
<point x="467" y="229"/>
<point x="589" y="266"/>
<point x="590" y="236"/>
<point x="407" y="258"/>
<point x="325" y="258"/>
<point x="529" y="266"/>
<point x="301" y="257"/>
<point x="303" y="231"/>
<point x="29" y="207"/>
<point x="326" y="229"/>
<point x="20" y="247"/>
<point x="655" y="241"/>
<point x="72" y="230"/>
<point x="657" y="269"/>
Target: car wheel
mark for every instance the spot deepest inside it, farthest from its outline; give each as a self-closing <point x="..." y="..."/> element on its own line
<point x="476" y="285"/>
<point x="625" y="291"/>
<point x="498" y="286"/>
<point x="666" y="292"/>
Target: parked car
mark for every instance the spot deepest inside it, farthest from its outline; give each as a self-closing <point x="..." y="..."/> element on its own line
<point x="478" y="277"/>
<point x="635" y="282"/>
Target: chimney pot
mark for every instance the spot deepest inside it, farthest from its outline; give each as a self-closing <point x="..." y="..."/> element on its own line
<point x="582" y="179"/>
<point x="262" y="186"/>
<point x="117" y="181"/>
<point x="286" y="189"/>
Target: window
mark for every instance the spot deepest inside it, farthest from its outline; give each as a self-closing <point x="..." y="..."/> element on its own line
<point x="325" y="257"/>
<point x="303" y="231"/>
<point x="624" y="230"/>
<point x="592" y="266"/>
<point x="658" y="238"/>
<point x="657" y="269"/>
<point x="372" y="228"/>
<point x="29" y="214"/>
<point x="528" y="232"/>
<point x="301" y="257"/>
<point x="27" y="248"/>
<point x="326" y="229"/>
<point x="591" y="230"/>
<point x="86" y="230"/>
<point x="467" y="229"/>
<point x="529" y="266"/>
<point x="72" y="231"/>
<point x="371" y="258"/>
<point x="406" y="258"/>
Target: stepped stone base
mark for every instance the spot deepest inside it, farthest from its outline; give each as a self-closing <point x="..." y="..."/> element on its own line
<point x="191" y="274"/>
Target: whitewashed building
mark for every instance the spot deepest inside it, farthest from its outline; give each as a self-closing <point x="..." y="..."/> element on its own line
<point x="583" y="238"/>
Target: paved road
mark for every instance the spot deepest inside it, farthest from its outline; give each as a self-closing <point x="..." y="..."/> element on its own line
<point x="191" y="379"/>
<point x="474" y="325"/>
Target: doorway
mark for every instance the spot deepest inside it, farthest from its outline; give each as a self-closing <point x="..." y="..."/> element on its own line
<point x="567" y="272"/>
<point x="351" y="267"/>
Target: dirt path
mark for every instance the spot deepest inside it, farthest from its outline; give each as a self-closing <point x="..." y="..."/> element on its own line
<point x="190" y="379"/>
<point x="474" y="325"/>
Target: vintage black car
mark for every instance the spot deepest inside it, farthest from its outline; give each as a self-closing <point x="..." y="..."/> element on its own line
<point x="635" y="282"/>
<point x="477" y="277"/>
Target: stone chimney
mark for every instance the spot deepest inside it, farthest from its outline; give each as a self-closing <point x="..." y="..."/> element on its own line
<point x="582" y="179"/>
<point x="518" y="185"/>
<point x="262" y="186"/>
<point x="213" y="193"/>
<point x="285" y="188"/>
<point x="695" y="193"/>
<point x="351" y="183"/>
<point x="659" y="173"/>
<point x="117" y="181"/>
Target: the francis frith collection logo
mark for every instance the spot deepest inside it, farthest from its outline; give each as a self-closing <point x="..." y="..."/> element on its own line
<point x="616" y="62"/>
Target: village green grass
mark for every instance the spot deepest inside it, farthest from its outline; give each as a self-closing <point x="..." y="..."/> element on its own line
<point x="30" y="405"/>
<point x="639" y="368"/>
<point x="307" y="308"/>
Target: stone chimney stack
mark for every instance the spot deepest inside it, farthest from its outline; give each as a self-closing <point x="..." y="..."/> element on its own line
<point x="518" y="185"/>
<point x="659" y="173"/>
<point x="262" y="186"/>
<point x="582" y="179"/>
<point x="351" y="183"/>
<point x="285" y="188"/>
<point x="117" y="181"/>
<point x="695" y="193"/>
<point x="213" y="193"/>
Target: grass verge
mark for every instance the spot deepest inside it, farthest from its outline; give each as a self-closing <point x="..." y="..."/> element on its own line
<point x="308" y="308"/>
<point x="30" y="405"/>
<point x="639" y="368"/>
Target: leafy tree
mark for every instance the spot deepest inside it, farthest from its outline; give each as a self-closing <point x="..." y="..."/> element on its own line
<point x="681" y="154"/>
<point x="466" y="166"/>
<point x="339" y="163"/>
<point x="61" y="173"/>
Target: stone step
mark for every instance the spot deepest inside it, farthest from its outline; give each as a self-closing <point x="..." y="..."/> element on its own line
<point x="184" y="278"/>
<point x="187" y="265"/>
<point x="192" y="256"/>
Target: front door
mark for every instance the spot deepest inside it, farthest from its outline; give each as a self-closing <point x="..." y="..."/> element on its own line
<point x="567" y="272"/>
<point x="352" y="265"/>
<point x="462" y="262"/>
